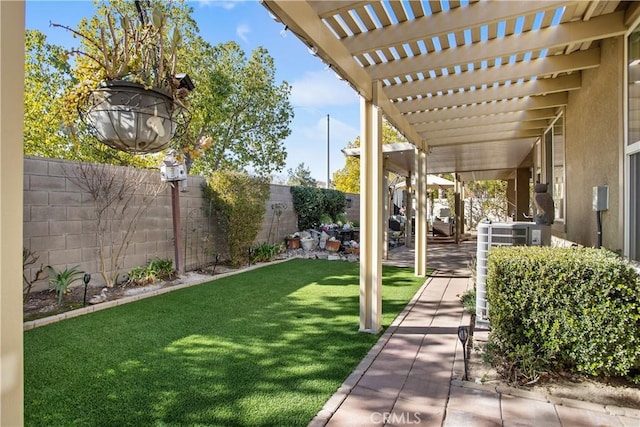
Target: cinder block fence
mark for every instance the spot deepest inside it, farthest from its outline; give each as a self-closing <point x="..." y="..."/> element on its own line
<point x="60" y="223"/>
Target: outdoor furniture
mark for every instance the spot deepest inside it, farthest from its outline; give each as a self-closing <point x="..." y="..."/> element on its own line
<point x="443" y="227"/>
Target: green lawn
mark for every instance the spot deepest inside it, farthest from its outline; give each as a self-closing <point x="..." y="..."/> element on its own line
<point x="263" y="348"/>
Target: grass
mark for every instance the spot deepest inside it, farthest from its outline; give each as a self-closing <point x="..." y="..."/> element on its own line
<point x="263" y="348"/>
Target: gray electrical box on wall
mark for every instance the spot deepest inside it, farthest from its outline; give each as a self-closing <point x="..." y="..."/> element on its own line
<point x="600" y="198"/>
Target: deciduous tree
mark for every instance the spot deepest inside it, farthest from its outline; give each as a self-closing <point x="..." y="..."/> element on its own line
<point x="239" y="106"/>
<point x="347" y="179"/>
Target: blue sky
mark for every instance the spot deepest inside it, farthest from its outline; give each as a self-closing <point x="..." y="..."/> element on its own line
<point x="316" y="90"/>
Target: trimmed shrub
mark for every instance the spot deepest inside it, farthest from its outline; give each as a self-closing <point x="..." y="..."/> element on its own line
<point x="238" y="201"/>
<point x="573" y="309"/>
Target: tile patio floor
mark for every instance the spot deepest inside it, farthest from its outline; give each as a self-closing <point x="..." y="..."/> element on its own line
<point x="410" y="377"/>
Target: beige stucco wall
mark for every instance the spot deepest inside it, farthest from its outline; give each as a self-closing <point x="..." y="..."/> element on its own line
<point x="594" y="134"/>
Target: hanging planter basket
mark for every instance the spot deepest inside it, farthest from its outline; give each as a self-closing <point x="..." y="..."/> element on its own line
<point x="130" y="118"/>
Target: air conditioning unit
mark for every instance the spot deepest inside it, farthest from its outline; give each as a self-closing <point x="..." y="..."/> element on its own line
<point x="502" y="234"/>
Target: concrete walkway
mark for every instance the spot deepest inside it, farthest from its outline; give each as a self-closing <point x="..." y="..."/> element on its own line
<point x="411" y="376"/>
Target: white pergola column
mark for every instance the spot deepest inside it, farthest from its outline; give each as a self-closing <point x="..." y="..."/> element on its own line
<point x="422" y="227"/>
<point x="408" y="208"/>
<point x="11" y="206"/>
<point x="387" y="212"/>
<point x="372" y="200"/>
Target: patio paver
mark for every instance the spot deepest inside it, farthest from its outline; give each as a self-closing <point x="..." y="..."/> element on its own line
<point x="409" y="376"/>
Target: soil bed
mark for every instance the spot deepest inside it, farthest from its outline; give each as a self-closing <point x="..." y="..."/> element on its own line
<point x="45" y="303"/>
<point x="604" y="391"/>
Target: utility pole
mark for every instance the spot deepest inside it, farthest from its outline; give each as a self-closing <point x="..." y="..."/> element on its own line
<point x="328" y="178"/>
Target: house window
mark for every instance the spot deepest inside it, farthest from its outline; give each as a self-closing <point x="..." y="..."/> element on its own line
<point x="632" y="150"/>
<point x="634" y="225"/>
<point x="633" y="73"/>
<point x="554" y="166"/>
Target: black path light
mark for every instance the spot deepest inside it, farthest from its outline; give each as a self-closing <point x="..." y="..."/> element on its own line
<point x="215" y="264"/>
<point x="463" y="336"/>
<point x="86" y="279"/>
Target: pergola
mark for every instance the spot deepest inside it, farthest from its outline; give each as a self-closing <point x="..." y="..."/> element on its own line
<point x="471" y="84"/>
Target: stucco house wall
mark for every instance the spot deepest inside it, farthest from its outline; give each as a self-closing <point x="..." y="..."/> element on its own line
<point x="593" y="152"/>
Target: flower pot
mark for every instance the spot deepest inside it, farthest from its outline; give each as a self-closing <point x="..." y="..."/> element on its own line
<point x="130" y="118"/>
<point x="332" y="245"/>
<point x="308" y="244"/>
<point x="293" y="243"/>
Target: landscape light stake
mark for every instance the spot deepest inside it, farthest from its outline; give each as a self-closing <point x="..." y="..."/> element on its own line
<point x="215" y="264"/>
<point x="463" y="335"/>
<point x="86" y="279"/>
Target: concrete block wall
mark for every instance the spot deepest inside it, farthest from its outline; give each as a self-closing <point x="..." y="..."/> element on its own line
<point x="60" y="226"/>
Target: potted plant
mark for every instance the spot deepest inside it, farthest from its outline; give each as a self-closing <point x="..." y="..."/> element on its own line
<point x="130" y="91"/>
<point x="333" y="245"/>
<point x="293" y="241"/>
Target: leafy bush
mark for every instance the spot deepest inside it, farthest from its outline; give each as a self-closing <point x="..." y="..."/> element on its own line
<point x="311" y="204"/>
<point x="575" y="309"/>
<point x="239" y="203"/>
<point x="61" y="280"/>
<point x="265" y="252"/>
<point x="468" y="300"/>
<point x="155" y="270"/>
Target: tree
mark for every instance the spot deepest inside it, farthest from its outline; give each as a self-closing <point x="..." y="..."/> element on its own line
<point x="488" y="200"/>
<point x="347" y="179"/>
<point x="46" y="77"/>
<point x="238" y="105"/>
<point x="301" y="176"/>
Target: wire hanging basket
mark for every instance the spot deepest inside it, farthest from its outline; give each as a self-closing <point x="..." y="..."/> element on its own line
<point x="130" y="118"/>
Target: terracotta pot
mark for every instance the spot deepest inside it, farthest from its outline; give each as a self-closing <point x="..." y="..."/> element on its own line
<point x="293" y="243"/>
<point x="333" y="245"/>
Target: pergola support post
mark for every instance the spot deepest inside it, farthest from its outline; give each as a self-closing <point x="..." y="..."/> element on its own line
<point x="372" y="201"/>
<point x="422" y="227"/>
<point x="388" y="200"/>
<point x="523" y="177"/>
<point x="408" y="209"/>
<point x="12" y="36"/>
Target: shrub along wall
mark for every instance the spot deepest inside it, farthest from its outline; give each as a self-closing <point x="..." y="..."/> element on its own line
<point x="575" y="309"/>
<point x="59" y="224"/>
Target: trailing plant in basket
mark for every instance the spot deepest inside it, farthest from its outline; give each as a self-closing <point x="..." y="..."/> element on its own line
<point x="124" y="43"/>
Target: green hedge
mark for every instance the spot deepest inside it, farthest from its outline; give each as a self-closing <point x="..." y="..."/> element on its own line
<point x="574" y="309"/>
<point x="310" y="203"/>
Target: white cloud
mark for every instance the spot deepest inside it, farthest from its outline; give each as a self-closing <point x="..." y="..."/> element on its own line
<point x="242" y="30"/>
<point x="225" y="4"/>
<point x="321" y="89"/>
